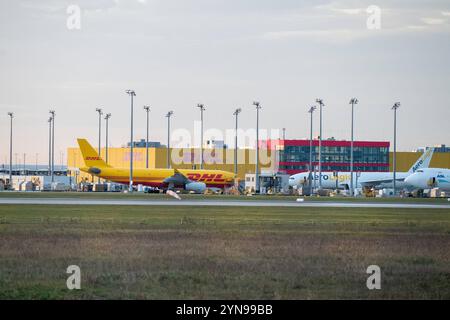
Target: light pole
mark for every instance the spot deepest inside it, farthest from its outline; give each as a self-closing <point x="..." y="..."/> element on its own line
<point x="395" y="107"/>
<point x="258" y="107"/>
<point x="311" y="111"/>
<point x="108" y="115"/>
<point x="132" y="94"/>
<point x="52" y="112"/>
<point x="202" y="108"/>
<point x="37" y="155"/>
<point x="168" y="115"/>
<point x="353" y="101"/>
<point x="284" y="133"/>
<point x="147" y="109"/>
<point x="320" y="102"/>
<point x="49" y="145"/>
<point x="11" y="116"/>
<point x="100" y="113"/>
<point x="236" y="114"/>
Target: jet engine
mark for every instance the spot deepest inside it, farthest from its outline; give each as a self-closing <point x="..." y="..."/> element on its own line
<point x="94" y="170"/>
<point x="197" y="187"/>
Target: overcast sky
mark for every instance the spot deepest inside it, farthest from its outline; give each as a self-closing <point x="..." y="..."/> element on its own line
<point x="224" y="54"/>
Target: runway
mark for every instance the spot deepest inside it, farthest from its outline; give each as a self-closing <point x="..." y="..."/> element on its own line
<point x="220" y="203"/>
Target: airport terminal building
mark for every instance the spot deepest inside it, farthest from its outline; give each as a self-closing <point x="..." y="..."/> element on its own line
<point x="368" y="156"/>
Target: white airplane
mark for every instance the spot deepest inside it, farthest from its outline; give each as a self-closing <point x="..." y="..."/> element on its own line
<point x="377" y="180"/>
<point x="430" y="178"/>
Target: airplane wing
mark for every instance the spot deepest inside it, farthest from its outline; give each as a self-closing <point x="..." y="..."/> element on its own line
<point x="177" y="179"/>
<point x="374" y="183"/>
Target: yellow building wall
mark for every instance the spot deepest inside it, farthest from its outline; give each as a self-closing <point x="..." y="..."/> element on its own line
<point x="221" y="159"/>
<point x="405" y="160"/>
<point x="119" y="157"/>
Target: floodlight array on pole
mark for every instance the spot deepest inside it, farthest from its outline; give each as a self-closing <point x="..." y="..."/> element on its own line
<point x="321" y="104"/>
<point x="258" y="107"/>
<point x="395" y="107"/>
<point x="236" y="114"/>
<point x="353" y="101"/>
<point x="168" y="115"/>
<point x="132" y="94"/>
<point x="11" y="116"/>
<point x="50" y="120"/>
<point x="202" y="108"/>
<point x="52" y="112"/>
<point x="147" y="110"/>
<point x="100" y="113"/>
<point x="107" y="117"/>
<point x="310" y="177"/>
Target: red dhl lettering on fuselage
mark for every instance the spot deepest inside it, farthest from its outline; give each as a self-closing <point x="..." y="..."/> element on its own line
<point x="92" y="158"/>
<point x="206" y="177"/>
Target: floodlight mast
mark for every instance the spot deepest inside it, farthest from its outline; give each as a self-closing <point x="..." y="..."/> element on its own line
<point x="147" y="110"/>
<point x="100" y="113"/>
<point x="52" y="112"/>
<point x="395" y="107"/>
<point x="202" y="108"/>
<point x="49" y="145"/>
<point x="353" y="101"/>
<point x="236" y="114"/>
<point x="321" y="104"/>
<point x="107" y="117"/>
<point x="168" y="116"/>
<point x="311" y="111"/>
<point x="258" y="107"/>
<point x="11" y="116"/>
<point x="132" y="94"/>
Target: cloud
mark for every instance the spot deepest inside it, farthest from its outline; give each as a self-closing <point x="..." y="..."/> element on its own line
<point x="327" y="35"/>
<point x="446" y="13"/>
<point x="344" y="35"/>
<point x="52" y="6"/>
<point x="433" y="21"/>
<point x="350" y="11"/>
<point x="336" y="7"/>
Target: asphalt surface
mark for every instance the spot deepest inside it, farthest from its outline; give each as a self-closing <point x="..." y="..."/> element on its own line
<point x="221" y="203"/>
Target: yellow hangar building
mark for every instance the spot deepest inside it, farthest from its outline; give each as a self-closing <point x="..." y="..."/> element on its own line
<point x="288" y="156"/>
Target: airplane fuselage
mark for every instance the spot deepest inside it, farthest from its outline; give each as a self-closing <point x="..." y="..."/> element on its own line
<point x="430" y="178"/>
<point x="157" y="177"/>
<point x="342" y="180"/>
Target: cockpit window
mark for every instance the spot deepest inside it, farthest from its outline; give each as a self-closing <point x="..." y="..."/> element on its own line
<point x="421" y="171"/>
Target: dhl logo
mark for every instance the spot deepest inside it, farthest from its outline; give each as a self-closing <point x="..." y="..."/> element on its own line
<point x="92" y="158"/>
<point x="206" y="177"/>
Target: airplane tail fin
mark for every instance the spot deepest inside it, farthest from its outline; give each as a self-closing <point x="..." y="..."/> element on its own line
<point x="423" y="161"/>
<point x="90" y="156"/>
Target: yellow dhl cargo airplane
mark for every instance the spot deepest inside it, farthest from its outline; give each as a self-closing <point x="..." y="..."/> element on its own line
<point x="166" y="179"/>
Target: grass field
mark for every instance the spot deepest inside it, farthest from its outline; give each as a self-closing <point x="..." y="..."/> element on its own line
<point x="223" y="252"/>
<point x="142" y="196"/>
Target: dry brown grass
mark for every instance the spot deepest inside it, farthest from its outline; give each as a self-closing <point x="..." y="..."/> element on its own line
<point x="230" y="253"/>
